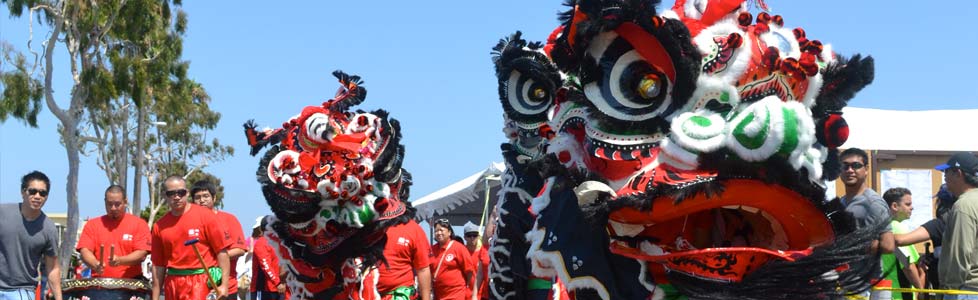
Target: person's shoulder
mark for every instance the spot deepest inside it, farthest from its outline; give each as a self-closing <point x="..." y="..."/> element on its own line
<point x="228" y="217"/>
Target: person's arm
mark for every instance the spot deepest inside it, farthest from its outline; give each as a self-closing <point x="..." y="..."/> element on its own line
<point x="224" y="261"/>
<point x="886" y="242"/>
<point x="236" y="252"/>
<point x="131" y="259"/>
<point x="158" y="274"/>
<point x="54" y="275"/>
<point x="424" y="283"/>
<point x="916" y="236"/>
<point x="89" y="259"/>
<point x="914" y="276"/>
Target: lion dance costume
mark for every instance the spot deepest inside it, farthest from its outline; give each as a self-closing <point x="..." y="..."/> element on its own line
<point x="682" y="153"/>
<point x="334" y="180"/>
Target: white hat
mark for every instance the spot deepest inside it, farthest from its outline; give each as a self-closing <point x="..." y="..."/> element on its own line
<point x="257" y="222"/>
<point x="469" y="227"/>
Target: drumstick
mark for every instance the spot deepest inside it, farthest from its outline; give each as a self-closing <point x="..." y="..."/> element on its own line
<point x="101" y="254"/>
<point x="193" y="244"/>
<point x="111" y="253"/>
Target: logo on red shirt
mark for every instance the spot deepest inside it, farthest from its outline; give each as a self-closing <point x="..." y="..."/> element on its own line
<point x="403" y="241"/>
<point x="193" y="232"/>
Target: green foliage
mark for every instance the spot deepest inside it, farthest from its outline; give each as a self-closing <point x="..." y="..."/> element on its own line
<point x="21" y="94"/>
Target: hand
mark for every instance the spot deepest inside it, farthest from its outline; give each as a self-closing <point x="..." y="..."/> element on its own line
<point x="115" y="261"/>
<point x="280" y="288"/>
<point x="221" y="291"/>
<point x="98" y="268"/>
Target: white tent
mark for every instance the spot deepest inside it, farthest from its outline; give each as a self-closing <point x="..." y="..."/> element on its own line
<point x="926" y="130"/>
<point x="464" y="198"/>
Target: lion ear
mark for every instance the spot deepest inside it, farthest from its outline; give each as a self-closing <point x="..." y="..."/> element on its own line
<point x="842" y="80"/>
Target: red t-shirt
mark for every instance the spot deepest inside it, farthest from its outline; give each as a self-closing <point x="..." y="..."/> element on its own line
<point x="449" y="277"/>
<point x="126" y="235"/>
<point x="233" y="227"/>
<point x="406" y="250"/>
<point x="483" y="254"/>
<point x="264" y="267"/>
<point x="170" y="233"/>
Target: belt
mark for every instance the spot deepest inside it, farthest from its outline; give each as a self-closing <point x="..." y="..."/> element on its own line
<point x="214" y="272"/>
<point x="402" y="293"/>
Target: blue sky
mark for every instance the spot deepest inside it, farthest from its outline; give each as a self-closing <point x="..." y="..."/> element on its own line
<point x="428" y="63"/>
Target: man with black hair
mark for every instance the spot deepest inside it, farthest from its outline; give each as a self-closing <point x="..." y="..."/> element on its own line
<point x="900" y="267"/>
<point x="28" y="236"/>
<point x="204" y="193"/>
<point x="125" y="236"/>
<point x="958" y="266"/>
<point x="862" y="202"/>
<point x="865" y="205"/>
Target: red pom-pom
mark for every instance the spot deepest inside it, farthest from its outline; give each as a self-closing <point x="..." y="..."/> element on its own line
<point x="833" y="131"/>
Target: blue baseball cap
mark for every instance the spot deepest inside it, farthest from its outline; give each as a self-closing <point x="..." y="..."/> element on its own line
<point x="965" y="161"/>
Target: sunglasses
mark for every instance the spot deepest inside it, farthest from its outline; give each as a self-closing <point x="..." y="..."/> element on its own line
<point x="854" y="166"/>
<point x="178" y="193"/>
<point x="32" y="191"/>
<point x="471" y="235"/>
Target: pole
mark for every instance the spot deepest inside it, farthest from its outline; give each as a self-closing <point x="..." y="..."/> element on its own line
<point x="193" y="244"/>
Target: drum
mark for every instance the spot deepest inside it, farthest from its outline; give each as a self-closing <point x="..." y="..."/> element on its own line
<point x="105" y="289"/>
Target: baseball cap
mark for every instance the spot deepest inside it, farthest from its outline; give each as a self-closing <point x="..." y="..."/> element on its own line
<point x="965" y="161"/>
<point x="470" y="227"/>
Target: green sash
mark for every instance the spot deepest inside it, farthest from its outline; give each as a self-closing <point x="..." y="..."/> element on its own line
<point x="214" y="272"/>
<point x="402" y="293"/>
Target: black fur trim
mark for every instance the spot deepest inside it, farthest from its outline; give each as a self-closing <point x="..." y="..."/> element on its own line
<point x="348" y="97"/>
<point x="841" y="81"/>
<point x="514" y="53"/>
<point x="831" y="168"/>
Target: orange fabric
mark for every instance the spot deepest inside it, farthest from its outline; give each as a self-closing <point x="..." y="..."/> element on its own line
<point x="170" y="233"/>
<point x="190" y="287"/>
<point x="455" y="264"/>
<point x="264" y="262"/>
<point x="126" y="235"/>
<point x="406" y="250"/>
<point x="233" y="228"/>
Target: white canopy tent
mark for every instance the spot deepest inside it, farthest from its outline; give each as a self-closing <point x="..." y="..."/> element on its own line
<point x="463" y="200"/>
<point x="926" y="130"/>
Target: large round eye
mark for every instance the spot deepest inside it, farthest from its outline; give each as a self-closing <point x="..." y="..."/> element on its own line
<point x="527" y="78"/>
<point x="622" y="84"/>
<point x="528" y="95"/>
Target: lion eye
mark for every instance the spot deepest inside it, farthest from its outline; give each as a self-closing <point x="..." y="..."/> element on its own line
<point x="650" y="86"/>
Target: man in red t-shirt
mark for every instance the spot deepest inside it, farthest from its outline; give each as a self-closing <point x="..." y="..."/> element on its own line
<point x="121" y="240"/>
<point x="205" y="194"/>
<point x="406" y="252"/>
<point x="480" y="257"/>
<point x="266" y="284"/>
<point x="177" y="269"/>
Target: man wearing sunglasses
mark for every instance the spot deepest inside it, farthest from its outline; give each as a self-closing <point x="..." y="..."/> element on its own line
<point x="865" y="204"/>
<point x="958" y="266"/>
<point x="182" y="239"/>
<point x="28" y="235"/>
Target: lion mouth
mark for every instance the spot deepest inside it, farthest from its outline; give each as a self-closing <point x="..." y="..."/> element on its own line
<point x="724" y="237"/>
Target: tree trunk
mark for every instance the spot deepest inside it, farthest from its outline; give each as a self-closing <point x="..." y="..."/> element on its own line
<point x="137" y="186"/>
<point x="123" y="156"/>
<point x="71" y="230"/>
